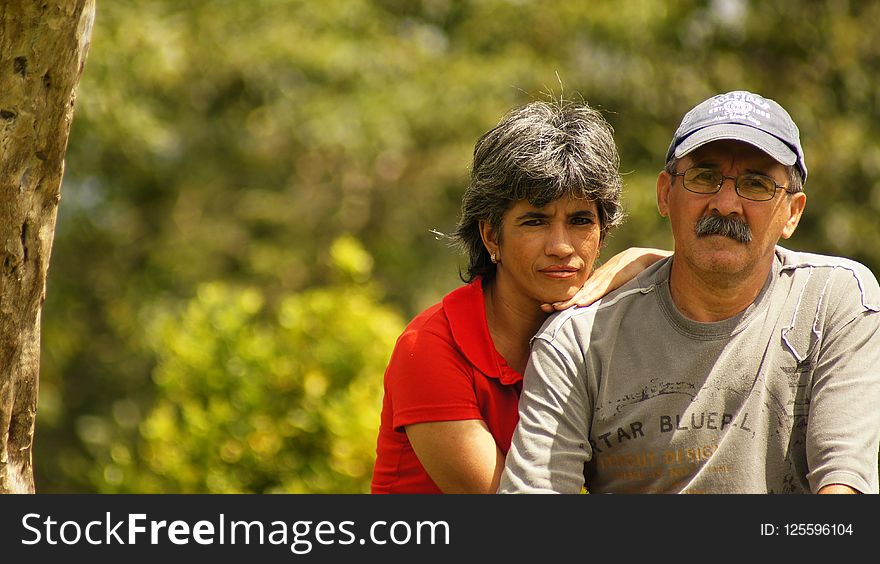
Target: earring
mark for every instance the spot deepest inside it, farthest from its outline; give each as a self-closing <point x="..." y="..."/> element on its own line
<point x="492" y="258"/>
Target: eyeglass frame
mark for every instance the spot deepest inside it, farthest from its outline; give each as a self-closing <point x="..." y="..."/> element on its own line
<point x="735" y="179"/>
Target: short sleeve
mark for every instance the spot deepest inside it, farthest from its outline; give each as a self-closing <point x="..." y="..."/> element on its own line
<point x="844" y="427"/>
<point x="429" y="379"/>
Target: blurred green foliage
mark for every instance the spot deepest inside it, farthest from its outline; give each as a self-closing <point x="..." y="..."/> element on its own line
<point x="259" y="397"/>
<point x="243" y="174"/>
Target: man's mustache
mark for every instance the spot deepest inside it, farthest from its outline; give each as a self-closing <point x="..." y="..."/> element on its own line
<point x="724" y="225"/>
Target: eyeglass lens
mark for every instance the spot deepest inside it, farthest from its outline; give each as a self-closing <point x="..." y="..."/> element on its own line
<point x="750" y="186"/>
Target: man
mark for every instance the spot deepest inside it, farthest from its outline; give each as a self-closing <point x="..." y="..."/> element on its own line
<point x="733" y="366"/>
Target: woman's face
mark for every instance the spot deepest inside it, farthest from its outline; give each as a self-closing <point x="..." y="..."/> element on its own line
<point x="546" y="254"/>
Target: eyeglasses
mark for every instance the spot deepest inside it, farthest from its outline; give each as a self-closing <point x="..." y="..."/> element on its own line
<point x="756" y="187"/>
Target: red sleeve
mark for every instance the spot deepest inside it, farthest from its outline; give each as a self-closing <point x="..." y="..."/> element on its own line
<point x="429" y="379"/>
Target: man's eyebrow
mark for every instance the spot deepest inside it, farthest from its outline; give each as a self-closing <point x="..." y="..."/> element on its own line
<point x="715" y="166"/>
<point x="706" y="164"/>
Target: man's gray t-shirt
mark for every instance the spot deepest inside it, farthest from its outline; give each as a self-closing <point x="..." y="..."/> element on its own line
<point x="783" y="398"/>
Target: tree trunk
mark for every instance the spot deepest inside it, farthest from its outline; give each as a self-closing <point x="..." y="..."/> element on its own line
<point x="43" y="47"/>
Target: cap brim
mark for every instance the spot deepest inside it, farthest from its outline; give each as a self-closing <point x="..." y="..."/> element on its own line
<point x="737" y="132"/>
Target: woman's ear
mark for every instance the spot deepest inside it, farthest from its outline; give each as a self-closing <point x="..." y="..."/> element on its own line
<point x="490" y="238"/>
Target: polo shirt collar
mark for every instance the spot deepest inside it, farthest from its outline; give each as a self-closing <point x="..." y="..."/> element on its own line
<point x="466" y="312"/>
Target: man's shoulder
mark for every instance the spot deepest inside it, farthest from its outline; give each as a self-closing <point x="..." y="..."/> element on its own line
<point x="829" y="269"/>
<point x="802" y="259"/>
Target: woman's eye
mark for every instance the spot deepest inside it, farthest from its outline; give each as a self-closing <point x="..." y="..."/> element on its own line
<point x="582" y="220"/>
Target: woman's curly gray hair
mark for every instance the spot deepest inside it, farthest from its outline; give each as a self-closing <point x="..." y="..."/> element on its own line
<point x="538" y="152"/>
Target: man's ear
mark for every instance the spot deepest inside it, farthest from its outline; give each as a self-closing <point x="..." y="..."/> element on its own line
<point x="664" y="184"/>
<point x="796" y="209"/>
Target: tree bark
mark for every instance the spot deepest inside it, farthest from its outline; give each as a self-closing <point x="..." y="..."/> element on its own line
<point x="43" y="48"/>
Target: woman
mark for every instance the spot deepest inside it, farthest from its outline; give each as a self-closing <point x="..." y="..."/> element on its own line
<point x="544" y="192"/>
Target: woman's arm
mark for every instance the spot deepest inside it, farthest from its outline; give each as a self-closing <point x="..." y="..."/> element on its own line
<point x="614" y="273"/>
<point x="837" y="489"/>
<point x="460" y="456"/>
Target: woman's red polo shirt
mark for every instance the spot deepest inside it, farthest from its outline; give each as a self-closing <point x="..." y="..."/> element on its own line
<point x="444" y="368"/>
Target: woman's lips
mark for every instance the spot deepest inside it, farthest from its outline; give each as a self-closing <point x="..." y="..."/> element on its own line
<point x="559" y="272"/>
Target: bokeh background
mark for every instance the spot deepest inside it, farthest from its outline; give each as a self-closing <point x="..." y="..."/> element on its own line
<point x="251" y="185"/>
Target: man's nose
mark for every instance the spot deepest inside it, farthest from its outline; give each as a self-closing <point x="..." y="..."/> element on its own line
<point x="726" y="200"/>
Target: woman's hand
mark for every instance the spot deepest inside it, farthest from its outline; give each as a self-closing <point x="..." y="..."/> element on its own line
<point x="617" y="271"/>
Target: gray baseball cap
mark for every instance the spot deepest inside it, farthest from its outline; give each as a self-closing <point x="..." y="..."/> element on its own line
<point x="741" y="116"/>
